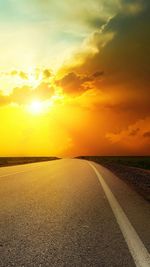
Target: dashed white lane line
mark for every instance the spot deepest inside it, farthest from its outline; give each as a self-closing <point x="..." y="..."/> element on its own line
<point x="136" y="247"/>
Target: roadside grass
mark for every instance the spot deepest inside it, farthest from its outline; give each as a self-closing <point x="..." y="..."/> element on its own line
<point x="10" y="161"/>
<point x="142" y="162"/>
<point x="133" y="170"/>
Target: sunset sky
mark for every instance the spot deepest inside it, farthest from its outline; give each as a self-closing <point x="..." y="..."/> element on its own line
<point x="74" y="77"/>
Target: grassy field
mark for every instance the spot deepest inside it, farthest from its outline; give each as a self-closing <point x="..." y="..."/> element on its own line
<point x="9" y="161"/>
<point x="132" y="161"/>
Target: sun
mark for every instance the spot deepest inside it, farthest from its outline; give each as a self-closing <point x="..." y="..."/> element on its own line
<point x="36" y="107"/>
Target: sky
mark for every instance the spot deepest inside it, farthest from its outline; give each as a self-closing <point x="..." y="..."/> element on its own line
<point x="74" y="77"/>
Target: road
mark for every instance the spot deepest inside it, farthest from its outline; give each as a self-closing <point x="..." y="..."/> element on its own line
<point x="71" y="213"/>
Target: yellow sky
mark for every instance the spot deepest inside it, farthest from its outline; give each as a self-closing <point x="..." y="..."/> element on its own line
<point x="74" y="81"/>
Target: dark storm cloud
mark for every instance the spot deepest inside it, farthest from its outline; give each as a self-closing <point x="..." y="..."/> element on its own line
<point x="124" y="58"/>
<point x="127" y="56"/>
<point x="95" y="22"/>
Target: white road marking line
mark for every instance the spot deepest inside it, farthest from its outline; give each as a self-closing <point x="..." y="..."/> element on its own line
<point x="136" y="247"/>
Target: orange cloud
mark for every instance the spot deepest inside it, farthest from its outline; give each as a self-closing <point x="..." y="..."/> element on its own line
<point x="76" y="84"/>
<point x="135" y="138"/>
<point x="22" y="95"/>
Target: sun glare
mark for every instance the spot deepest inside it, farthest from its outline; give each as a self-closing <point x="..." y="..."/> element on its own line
<point x="36" y="107"/>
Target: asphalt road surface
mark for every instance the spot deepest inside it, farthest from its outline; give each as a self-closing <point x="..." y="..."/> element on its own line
<point x="71" y="213"/>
